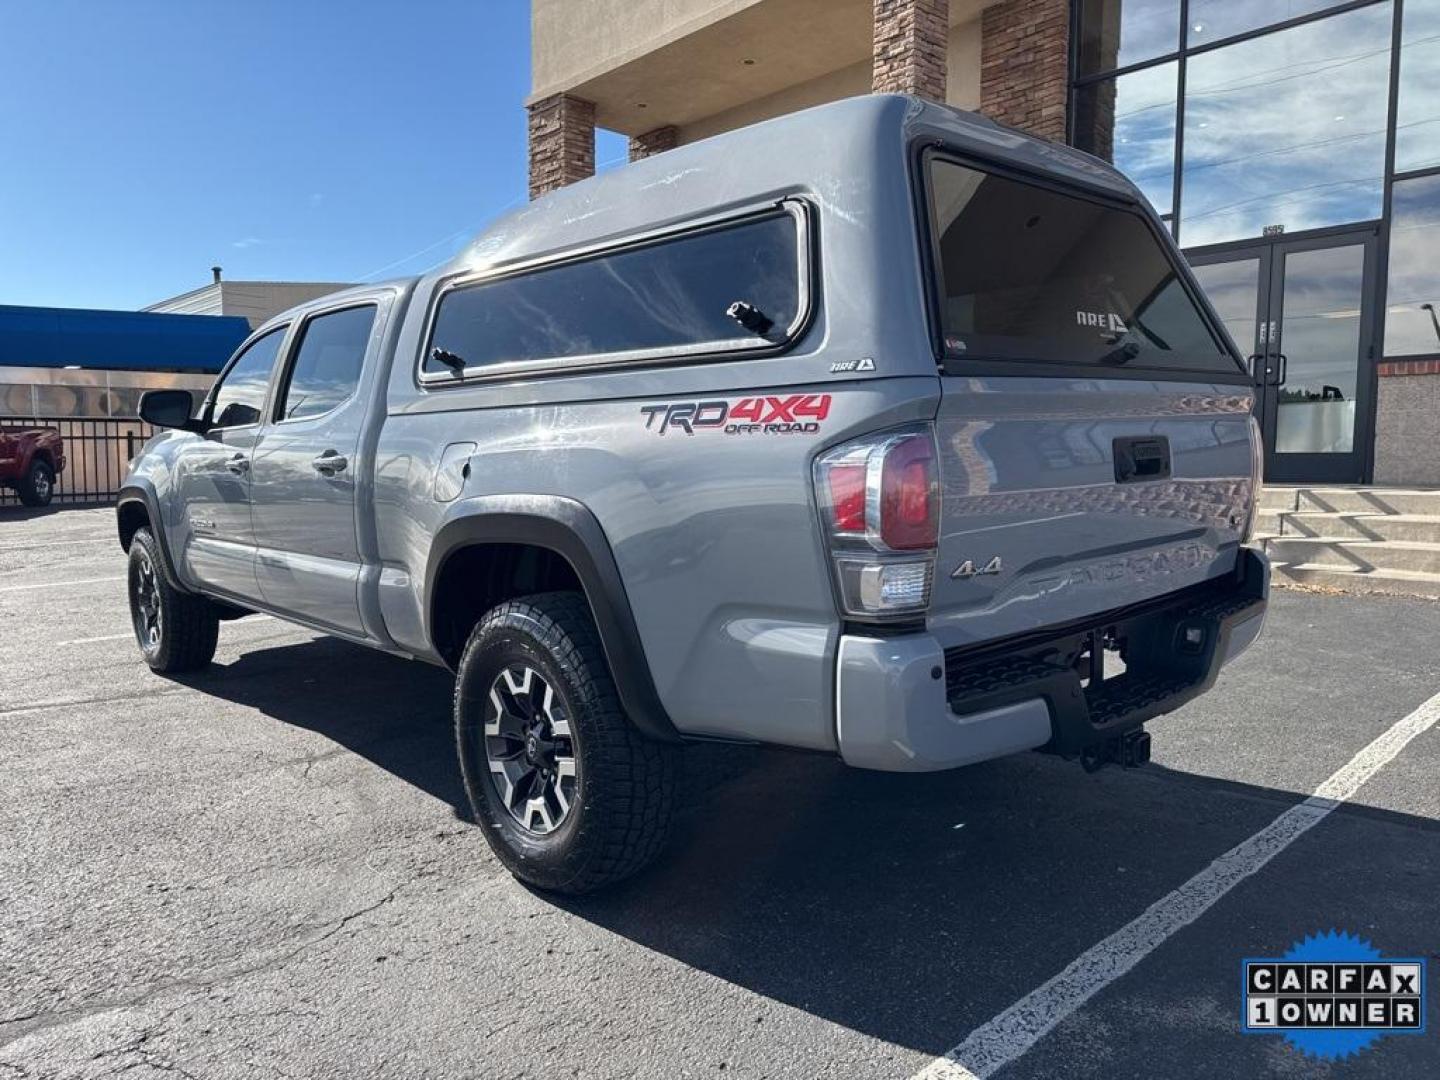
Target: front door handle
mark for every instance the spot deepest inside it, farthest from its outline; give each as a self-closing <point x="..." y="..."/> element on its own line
<point x="330" y="462"/>
<point x="239" y="464"/>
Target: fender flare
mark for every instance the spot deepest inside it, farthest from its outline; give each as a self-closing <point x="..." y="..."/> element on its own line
<point x="569" y="529"/>
<point x="143" y="494"/>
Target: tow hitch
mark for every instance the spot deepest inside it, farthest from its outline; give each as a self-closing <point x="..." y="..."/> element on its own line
<point x="1129" y="751"/>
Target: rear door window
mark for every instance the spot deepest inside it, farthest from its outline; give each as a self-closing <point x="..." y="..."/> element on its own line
<point x="326" y="365"/>
<point x="670" y="295"/>
<point x="1030" y="274"/>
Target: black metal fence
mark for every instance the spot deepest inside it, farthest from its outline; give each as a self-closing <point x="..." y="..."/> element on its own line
<point x="97" y="453"/>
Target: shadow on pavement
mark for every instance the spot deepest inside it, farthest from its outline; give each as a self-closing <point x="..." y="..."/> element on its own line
<point x="389" y="710"/>
<point x="908" y="907"/>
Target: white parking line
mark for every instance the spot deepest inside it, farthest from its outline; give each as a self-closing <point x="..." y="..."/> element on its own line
<point x="130" y="634"/>
<point x="55" y="543"/>
<point x="1001" y="1040"/>
<point x="93" y="640"/>
<point x="59" y="584"/>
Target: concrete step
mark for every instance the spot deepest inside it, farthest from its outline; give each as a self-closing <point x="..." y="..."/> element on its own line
<point x="1409" y="528"/>
<point x="1269" y="522"/>
<point x="1360" y="555"/>
<point x="1279" y="498"/>
<point x="1396" y="582"/>
<point x="1371" y="500"/>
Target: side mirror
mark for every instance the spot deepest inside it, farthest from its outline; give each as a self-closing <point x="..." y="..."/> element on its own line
<point x="169" y="409"/>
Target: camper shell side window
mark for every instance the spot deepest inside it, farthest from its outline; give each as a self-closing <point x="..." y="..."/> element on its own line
<point x="740" y="285"/>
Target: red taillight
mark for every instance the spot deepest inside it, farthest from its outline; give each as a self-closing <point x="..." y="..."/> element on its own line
<point x="879" y="499"/>
<point x="847" y="496"/>
<point x="909" y="495"/>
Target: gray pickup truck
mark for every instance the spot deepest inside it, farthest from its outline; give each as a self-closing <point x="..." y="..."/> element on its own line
<point x="877" y="429"/>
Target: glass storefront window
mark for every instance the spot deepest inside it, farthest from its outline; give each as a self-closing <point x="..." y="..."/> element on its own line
<point x="1412" y="326"/>
<point x="1320" y="333"/>
<point x="1287" y="129"/>
<point x="1130" y="121"/>
<point x="1417" y="119"/>
<point x="1118" y="33"/>
<point x="1234" y="291"/>
<point x="1215" y="20"/>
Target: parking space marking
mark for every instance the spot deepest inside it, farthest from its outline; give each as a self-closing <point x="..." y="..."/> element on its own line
<point x="1009" y="1035"/>
<point x="95" y="640"/>
<point x="130" y="634"/>
<point x="59" y="584"/>
<point x="33" y="544"/>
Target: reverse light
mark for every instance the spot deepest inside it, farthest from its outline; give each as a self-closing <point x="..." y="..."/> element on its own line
<point x="879" y="498"/>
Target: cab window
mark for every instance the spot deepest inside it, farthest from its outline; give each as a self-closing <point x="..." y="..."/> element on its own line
<point x="326" y="367"/>
<point x="241" y="393"/>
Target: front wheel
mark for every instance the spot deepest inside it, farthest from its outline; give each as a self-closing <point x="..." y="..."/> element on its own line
<point x="175" y="631"/>
<point x="37" y="487"/>
<point x="571" y="796"/>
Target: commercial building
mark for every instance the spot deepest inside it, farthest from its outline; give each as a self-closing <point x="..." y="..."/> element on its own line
<point x="254" y="301"/>
<point x="1293" y="149"/>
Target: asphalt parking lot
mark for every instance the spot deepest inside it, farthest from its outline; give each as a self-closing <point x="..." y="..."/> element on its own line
<point x="263" y="871"/>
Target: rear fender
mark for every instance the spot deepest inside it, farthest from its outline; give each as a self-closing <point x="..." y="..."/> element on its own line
<point x="569" y="529"/>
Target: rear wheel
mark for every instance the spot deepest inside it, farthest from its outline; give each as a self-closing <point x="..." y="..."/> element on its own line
<point x="175" y="631"/>
<point x="571" y="796"/>
<point x="37" y="487"/>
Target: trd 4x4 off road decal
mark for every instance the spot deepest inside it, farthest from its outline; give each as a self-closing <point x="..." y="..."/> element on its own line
<point x="794" y="414"/>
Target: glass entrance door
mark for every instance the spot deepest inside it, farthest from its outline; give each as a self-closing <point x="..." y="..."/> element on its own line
<point x="1304" y="311"/>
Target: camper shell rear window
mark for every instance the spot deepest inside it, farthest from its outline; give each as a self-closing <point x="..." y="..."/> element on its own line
<point x="1032" y="274"/>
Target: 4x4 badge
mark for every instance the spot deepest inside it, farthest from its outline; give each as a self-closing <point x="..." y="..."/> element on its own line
<point x="967" y="568"/>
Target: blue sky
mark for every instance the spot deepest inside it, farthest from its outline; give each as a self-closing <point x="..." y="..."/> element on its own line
<point x="143" y="141"/>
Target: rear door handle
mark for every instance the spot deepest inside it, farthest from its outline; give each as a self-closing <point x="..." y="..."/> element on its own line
<point x="239" y="464"/>
<point x="330" y="462"/>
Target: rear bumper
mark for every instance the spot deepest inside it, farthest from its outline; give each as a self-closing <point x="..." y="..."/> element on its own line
<point x="904" y="704"/>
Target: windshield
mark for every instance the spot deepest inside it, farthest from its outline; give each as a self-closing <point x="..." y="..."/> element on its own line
<point x="1031" y="274"/>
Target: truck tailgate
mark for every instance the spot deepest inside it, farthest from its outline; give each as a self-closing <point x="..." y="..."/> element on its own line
<point x="1039" y="527"/>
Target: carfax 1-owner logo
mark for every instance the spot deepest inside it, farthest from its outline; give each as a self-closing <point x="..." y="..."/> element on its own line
<point x="1333" y="995"/>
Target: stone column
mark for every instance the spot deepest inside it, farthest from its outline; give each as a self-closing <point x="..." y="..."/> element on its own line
<point x="654" y="142"/>
<point x="911" y="42"/>
<point x="562" y="142"/>
<point x="1024" y="65"/>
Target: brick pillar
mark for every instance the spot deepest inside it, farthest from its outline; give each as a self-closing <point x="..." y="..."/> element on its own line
<point x="911" y="43"/>
<point x="654" y="142"/>
<point x="1024" y="67"/>
<point x="562" y="142"/>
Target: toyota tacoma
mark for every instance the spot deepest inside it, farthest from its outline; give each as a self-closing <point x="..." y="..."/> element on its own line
<point x="877" y="429"/>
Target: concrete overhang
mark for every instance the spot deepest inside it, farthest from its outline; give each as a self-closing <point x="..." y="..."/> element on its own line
<point x="700" y="61"/>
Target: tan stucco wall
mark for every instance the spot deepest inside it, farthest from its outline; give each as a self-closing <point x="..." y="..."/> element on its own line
<point x="962" y="86"/>
<point x="708" y="65"/>
<point x="574" y="40"/>
<point x="962" y="89"/>
<point x="847" y="82"/>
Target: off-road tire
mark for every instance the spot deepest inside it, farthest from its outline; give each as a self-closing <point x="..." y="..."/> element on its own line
<point x="620" y="812"/>
<point x="37" y="486"/>
<point x="188" y="625"/>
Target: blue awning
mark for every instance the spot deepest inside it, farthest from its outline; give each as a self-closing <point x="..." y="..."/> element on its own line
<point x="117" y="340"/>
